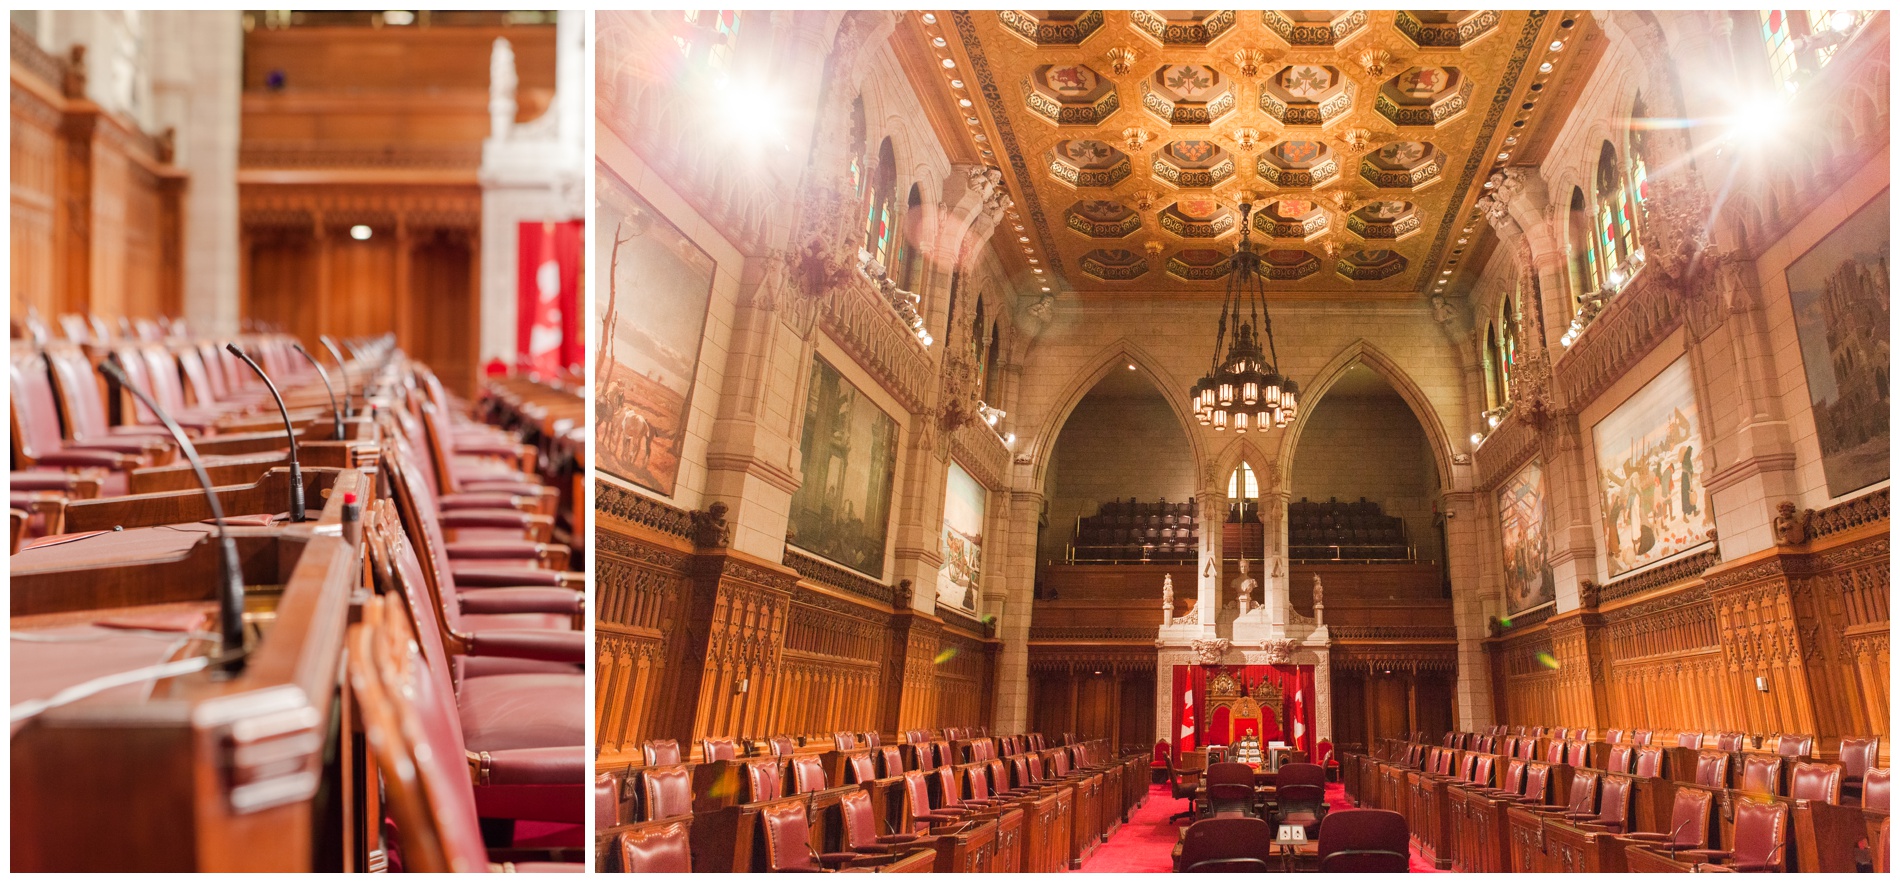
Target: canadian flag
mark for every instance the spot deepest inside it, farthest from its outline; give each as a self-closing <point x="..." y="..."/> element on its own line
<point x="1299" y="717"/>
<point x="1187" y="719"/>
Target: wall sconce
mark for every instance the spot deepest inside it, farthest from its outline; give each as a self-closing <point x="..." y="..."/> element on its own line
<point x="1761" y="684"/>
<point x="743" y="684"/>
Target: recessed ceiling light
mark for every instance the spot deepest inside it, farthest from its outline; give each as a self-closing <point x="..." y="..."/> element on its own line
<point x="1504" y="156"/>
<point x="971" y="120"/>
<point x="949" y="63"/>
<point x="1511" y="140"/>
<point x="1038" y="271"/>
<point x="1022" y="239"/>
<point x="1045" y="288"/>
<point x="1019" y="227"/>
<point x="963" y="102"/>
<point x="1556" y="45"/>
<point x="930" y="19"/>
<point x="1463" y="241"/>
<point x="1544" y="68"/>
<point x="360" y="232"/>
<point x="1034" y="261"/>
<point x="939" y="42"/>
<point x="982" y="137"/>
<point x="956" y="84"/>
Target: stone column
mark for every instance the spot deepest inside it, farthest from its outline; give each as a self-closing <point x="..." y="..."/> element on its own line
<point x="1275" y="588"/>
<point x="1323" y="690"/>
<point x="1473" y="692"/>
<point x="196" y="82"/>
<point x="1012" y="670"/>
<point x="1213" y="515"/>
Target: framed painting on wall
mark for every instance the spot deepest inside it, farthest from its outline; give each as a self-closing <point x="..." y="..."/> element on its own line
<point x="1839" y="294"/>
<point x="1528" y="581"/>
<point x="652" y="319"/>
<point x="849" y="454"/>
<point x="963" y="502"/>
<point x="1649" y="474"/>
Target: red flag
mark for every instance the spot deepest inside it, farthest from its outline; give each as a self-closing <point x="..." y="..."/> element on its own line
<point x="1299" y="717"/>
<point x="1187" y="720"/>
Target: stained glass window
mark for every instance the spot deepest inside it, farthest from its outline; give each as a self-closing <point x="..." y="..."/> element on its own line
<point x="1777" y="35"/>
<point x="708" y="38"/>
<point x="880" y="222"/>
<point x="1241" y="485"/>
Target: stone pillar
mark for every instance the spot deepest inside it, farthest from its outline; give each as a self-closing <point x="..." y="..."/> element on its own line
<point x="1012" y="671"/>
<point x="1276" y="593"/>
<point x="1212" y="505"/>
<point x="1323" y="688"/>
<point x="197" y="79"/>
<point x="1473" y="693"/>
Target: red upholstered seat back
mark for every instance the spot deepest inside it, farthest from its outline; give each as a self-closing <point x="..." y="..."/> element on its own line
<point x="1470" y="768"/>
<point x="1760" y="774"/>
<point x="1730" y="741"/>
<point x="860" y="824"/>
<point x="1232" y="844"/>
<point x="783" y="746"/>
<point x="1641" y="738"/>
<point x="892" y="761"/>
<point x="863" y="767"/>
<point x="1160" y="756"/>
<point x="1509" y="747"/>
<point x="1554" y="752"/>
<point x="661" y="849"/>
<point x="871" y="739"/>
<point x="667" y="791"/>
<point x="1761" y="829"/>
<point x="1514" y="777"/>
<point x="1649" y="762"/>
<point x="977" y="780"/>
<point x="35" y="408"/>
<point x="1615" y="808"/>
<point x="1711" y="768"/>
<point x="917" y="792"/>
<point x="1527" y="749"/>
<point x="763" y="780"/>
<point x="718" y="749"/>
<point x="1794" y="745"/>
<point x="1620" y="758"/>
<point x="606" y="800"/>
<point x="80" y="399"/>
<point x="1858" y="756"/>
<point x="659" y="752"/>
<point x="1020" y="765"/>
<point x="1363" y="841"/>
<point x="999" y="775"/>
<point x="1487" y="763"/>
<point x="1583" y="791"/>
<point x="947" y="790"/>
<point x="1299" y="783"/>
<point x="808" y="774"/>
<point x="1815" y="781"/>
<point x="1613" y="736"/>
<point x="1877" y="790"/>
<point x="1062" y="763"/>
<point x="787" y="836"/>
<point x="1537" y="782"/>
<point x="1689" y="818"/>
<point x="1689" y="740"/>
<point x="1323" y="753"/>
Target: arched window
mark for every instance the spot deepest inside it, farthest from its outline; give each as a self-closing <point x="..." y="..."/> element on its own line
<point x="1613" y="214"/>
<point x="906" y="245"/>
<point x="989" y="363"/>
<point x="1507" y="350"/>
<point x="880" y="221"/>
<point x="1639" y="163"/>
<point x="979" y="345"/>
<point x="1585" y="275"/>
<point x="1241" y="485"/>
<point x="1800" y="42"/>
<point x="1493" y="359"/>
<point x="707" y="38"/>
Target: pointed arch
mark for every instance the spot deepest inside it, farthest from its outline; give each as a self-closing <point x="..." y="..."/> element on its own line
<point x="1115" y="356"/>
<point x="1363" y="352"/>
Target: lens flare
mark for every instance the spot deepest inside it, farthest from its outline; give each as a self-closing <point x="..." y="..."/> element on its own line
<point x="1548" y="661"/>
<point x="948" y="654"/>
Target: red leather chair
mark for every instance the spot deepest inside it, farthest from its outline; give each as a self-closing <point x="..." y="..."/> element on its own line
<point x="718" y="749"/>
<point x="663" y="849"/>
<point x="1793" y="745"/>
<point x="763" y="780"/>
<point x="783" y="746"/>
<point x="891" y="761"/>
<point x="1323" y="755"/>
<point x="1301" y="794"/>
<point x="1614" y="736"/>
<point x="808" y="774"/>
<point x="871" y="740"/>
<point x="1364" y="841"/>
<point x="862" y="767"/>
<point x="1482" y="770"/>
<point x="1877" y="790"/>
<point x="1554" y="753"/>
<point x="786" y="835"/>
<point x="666" y="792"/>
<point x="1761" y="839"/>
<point x="1621" y="757"/>
<point x="1815" y="781"/>
<point x="1649" y="763"/>
<point x="1468" y="769"/>
<point x="1689" y="740"/>
<point x="1857" y="757"/>
<point x="659" y="752"/>
<point x="1731" y="741"/>
<point x="1158" y="763"/>
<point x="999" y="781"/>
<point x="950" y="792"/>
<point x="1583" y="794"/>
<point x="1513" y="783"/>
<point x="1688" y="822"/>
<point x="1536" y="784"/>
<point x="1613" y="811"/>
<point x="1236" y="844"/>
<point x="1711" y="768"/>
<point x="1642" y="738"/>
<point x="1230" y="789"/>
<point x="844" y="741"/>
<point x="917" y="804"/>
<point x="607" y="812"/>
<point x="863" y="846"/>
<point x="1761" y="774"/>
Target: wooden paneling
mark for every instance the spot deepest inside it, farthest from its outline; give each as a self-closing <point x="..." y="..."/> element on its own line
<point x="95" y="202"/>
<point x="1096" y="692"/>
<point x="1793" y="639"/>
<point x="696" y="641"/>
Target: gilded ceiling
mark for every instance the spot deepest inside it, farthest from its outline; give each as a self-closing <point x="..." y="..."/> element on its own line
<point x="1129" y="137"/>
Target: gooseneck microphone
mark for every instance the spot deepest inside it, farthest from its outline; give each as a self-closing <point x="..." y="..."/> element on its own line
<point x="231" y="594"/>
<point x="337" y="415"/>
<point x="296" y="471"/>
<point x="349" y="412"/>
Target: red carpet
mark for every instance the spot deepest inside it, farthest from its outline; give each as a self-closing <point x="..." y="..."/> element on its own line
<point x="1145" y="844"/>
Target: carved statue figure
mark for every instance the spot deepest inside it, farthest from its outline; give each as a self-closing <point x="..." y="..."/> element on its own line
<point x="1442" y="310"/>
<point x="1791" y="527"/>
<point x="904" y="593"/>
<point x="1247" y="585"/>
<point x="1319" y="593"/>
<point x="710" y="530"/>
<point x="1167" y="599"/>
<point x="501" y="89"/>
<point x="1589" y="593"/>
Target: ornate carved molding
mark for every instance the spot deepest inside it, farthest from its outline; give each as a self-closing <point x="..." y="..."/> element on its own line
<point x="1089" y="633"/>
<point x="642" y="510"/>
<point x="1629" y="327"/>
<point x="832" y="575"/>
<point x="1383" y="658"/>
<point x="1849" y="514"/>
<point x="1509" y="446"/>
<point x="1341" y="633"/>
<point x="977" y="448"/>
<point x="1685" y="568"/>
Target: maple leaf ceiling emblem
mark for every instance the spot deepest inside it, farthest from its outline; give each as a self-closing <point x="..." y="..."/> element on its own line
<point x="1189" y="80"/>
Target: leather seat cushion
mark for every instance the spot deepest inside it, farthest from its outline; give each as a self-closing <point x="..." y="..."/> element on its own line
<point x="523" y="711"/>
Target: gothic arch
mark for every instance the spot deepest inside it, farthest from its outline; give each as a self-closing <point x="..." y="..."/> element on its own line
<point x="1115" y="356"/>
<point x="1363" y="352"/>
<point x="1243" y="449"/>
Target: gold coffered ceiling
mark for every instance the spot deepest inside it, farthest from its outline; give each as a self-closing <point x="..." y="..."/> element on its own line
<point x="1127" y="138"/>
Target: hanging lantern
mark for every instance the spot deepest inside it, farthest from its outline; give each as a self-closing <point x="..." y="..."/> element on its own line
<point x="1244" y="388"/>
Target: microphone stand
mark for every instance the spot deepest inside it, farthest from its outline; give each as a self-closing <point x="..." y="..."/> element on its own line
<point x="231" y="593"/>
<point x="296" y="471"/>
<point x="328" y="344"/>
<point x="335" y="414"/>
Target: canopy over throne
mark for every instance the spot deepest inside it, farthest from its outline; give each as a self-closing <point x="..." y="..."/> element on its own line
<point x="1232" y="714"/>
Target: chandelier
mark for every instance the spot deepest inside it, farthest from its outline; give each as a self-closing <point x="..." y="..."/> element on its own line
<point x="1243" y="388"/>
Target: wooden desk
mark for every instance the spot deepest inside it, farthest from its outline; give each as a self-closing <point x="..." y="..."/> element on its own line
<point x="267" y="495"/>
<point x="245" y="468"/>
<point x="205" y="772"/>
<point x="1649" y="860"/>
